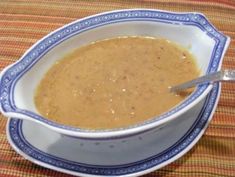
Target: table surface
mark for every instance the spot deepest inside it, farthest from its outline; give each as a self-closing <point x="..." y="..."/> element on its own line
<point x="23" y="22"/>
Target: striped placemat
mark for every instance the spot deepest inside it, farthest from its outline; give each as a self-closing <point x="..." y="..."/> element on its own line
<point x="23" y="22"/>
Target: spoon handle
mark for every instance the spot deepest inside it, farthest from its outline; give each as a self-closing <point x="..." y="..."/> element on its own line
<point x="224" y="75"/>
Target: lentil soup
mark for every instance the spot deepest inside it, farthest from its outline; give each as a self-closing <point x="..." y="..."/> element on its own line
<point x="114" y="82"/>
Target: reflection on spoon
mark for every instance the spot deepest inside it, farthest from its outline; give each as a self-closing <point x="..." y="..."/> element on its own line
<point x="224" y="75"/>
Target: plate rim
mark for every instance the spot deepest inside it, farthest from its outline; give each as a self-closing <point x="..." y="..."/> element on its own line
<point x="192" y="141"/>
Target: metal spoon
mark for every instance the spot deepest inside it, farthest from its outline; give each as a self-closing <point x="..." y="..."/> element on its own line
<point x="224" y="75"/>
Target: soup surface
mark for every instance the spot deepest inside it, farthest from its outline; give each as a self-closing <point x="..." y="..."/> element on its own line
<point x="114" y="83"/>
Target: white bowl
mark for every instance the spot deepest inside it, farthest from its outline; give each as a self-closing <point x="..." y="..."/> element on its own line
<point x="191" y="30"/>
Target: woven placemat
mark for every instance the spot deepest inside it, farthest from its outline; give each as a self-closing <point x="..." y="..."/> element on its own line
<point x="23" y="22"/>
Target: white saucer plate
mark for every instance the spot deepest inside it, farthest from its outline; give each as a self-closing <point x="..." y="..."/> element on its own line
<point x="70" y="155"/>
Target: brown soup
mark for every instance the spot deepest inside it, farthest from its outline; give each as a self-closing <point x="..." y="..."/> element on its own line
<point x="114" y="83"/>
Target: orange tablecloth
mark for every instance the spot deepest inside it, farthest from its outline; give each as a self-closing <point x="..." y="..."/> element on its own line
<point x="23" y="22"/>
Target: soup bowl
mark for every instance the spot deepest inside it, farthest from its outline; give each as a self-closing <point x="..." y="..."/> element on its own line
<point x="190" y="30"/>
